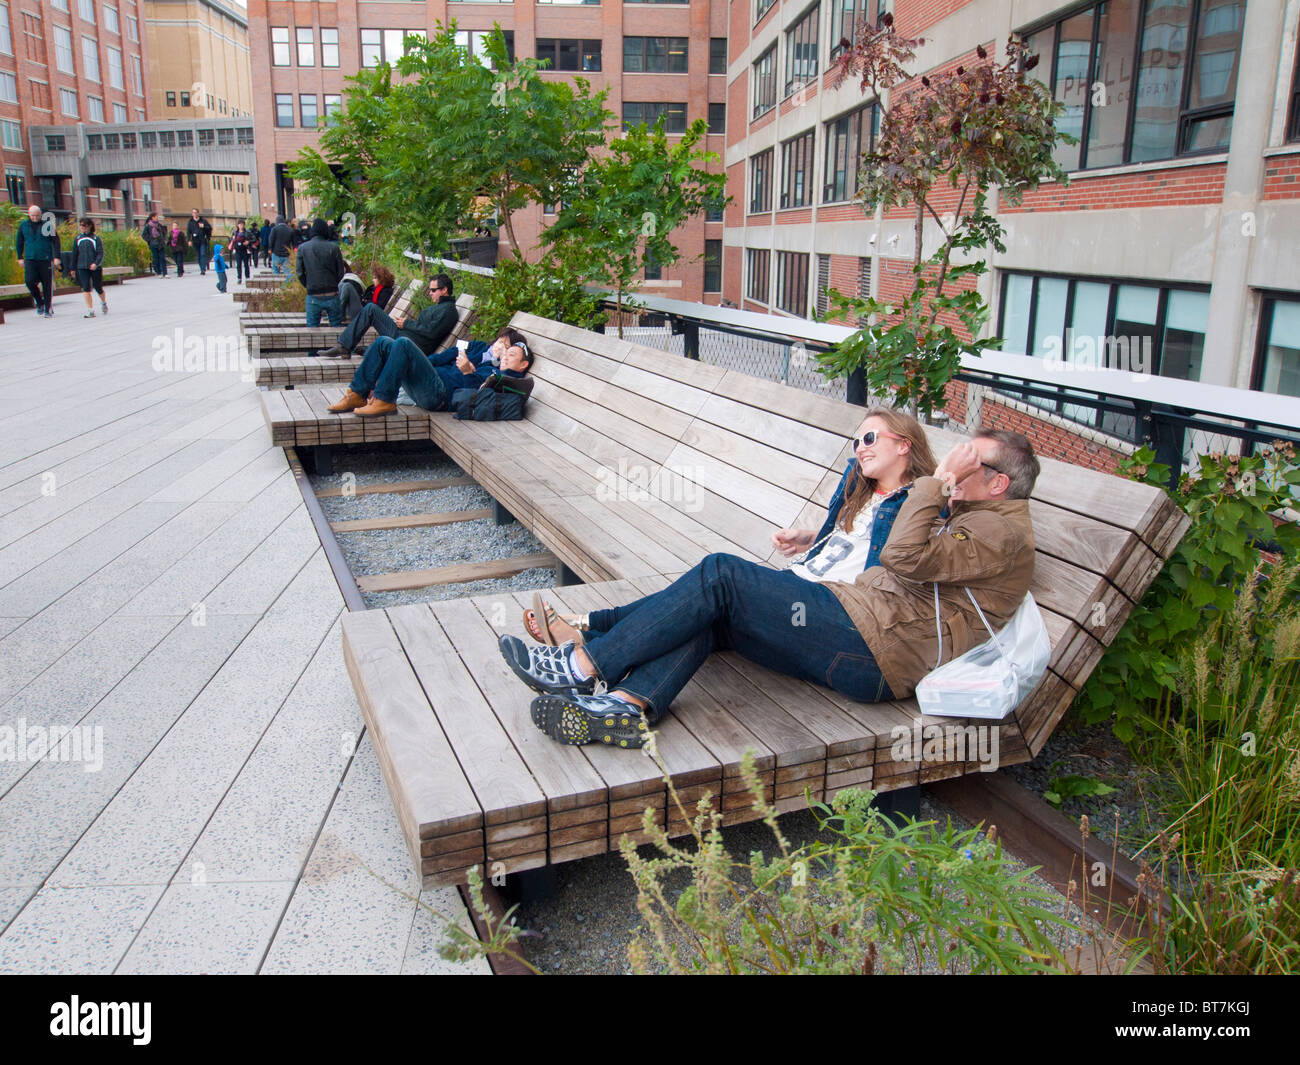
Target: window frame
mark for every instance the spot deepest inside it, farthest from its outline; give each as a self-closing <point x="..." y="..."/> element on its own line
<point x="760" y="181"/>
<point x="668" y="112"/>
<point x="309" y="43"/>
<point x="664" y="55"/>
<point x="764" y="83"/>
<point x="760" y="293"/>
<point x="327" y="45"/>
<point x="64" y="96"/>
<point x="1267" y="306"/>
<point x="713" y="262"/>
<point x="89" y="51"/>
<point x="808" y="159"/>
<point x="278" y="101"/>
<point x="717" y="60"/>
<point x="302" y="111"/>
<point x="788" y="287"/>
<point x="831" y="140"/>
<point x="810" y="18"/>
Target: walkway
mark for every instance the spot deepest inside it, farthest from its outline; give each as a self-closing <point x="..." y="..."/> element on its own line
<point x="163" y="591"/>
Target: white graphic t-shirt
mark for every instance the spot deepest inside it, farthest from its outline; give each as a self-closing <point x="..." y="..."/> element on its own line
<point x="844" y="555"/>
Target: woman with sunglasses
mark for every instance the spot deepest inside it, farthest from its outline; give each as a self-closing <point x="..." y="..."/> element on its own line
<point x="789" y="620"/>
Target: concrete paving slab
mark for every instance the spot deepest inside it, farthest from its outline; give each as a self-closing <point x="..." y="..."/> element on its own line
<point x="76" y="930"/>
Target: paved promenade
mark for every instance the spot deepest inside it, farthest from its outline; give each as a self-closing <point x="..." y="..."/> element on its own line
<point x="164" y="596"/>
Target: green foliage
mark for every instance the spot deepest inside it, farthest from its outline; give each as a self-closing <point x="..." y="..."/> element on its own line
<point x="622" y="209"/>
<point x="1073" y="786"/>
<point x="11" y="217"/>
<point x="1229" y="501"/>
<point x="1231" y="748"/>
<point x="873" y="898"/>
<point x="551" y="288"/>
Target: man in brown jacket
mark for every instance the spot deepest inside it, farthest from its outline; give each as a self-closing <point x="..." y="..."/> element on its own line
<point x="967" y="527"/>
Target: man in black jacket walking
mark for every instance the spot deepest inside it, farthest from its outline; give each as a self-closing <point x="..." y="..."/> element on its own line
<point x="37" y="245"/>
<point x="281" y="241"/>
<point x="199" y="230"/>
<point x="428" y="331"/>
<point x="320" y="269"/>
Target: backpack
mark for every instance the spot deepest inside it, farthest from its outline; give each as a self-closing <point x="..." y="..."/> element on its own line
<point x="487" y="405"/>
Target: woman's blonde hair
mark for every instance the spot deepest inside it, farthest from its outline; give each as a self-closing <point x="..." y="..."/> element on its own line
<point x="920" y="462"/>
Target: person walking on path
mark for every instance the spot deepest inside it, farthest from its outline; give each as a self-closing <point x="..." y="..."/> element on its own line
<point x="281" y="242"/>
<point x="155" y="235"/>
<point x="244" y="246"/>
<point x="178" y="244"/>
<point x="321" y="269"/>
<point x="199" y="232"/>
<point x="90" y="266"/>
<point x="219" y="264"/>
<point x="37" y="246"/>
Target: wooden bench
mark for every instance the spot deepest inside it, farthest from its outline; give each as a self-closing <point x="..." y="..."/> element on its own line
<point x="287" y="331"/>
<point x="727" y="459"/>
<point x="113" y="275"/>
<point x="282" y="370"/>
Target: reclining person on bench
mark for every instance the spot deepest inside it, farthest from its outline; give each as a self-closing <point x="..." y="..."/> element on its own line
<point x="427" y="332"/>
<point x="393" y="365"/>
<point x="856" y="614"/>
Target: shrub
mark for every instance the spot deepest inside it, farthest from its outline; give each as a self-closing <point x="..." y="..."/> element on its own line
<point x="551" y="289"/>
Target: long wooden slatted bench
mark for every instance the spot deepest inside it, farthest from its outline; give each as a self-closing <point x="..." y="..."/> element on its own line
<point x="249" y="319"/>
<point x="292" y="334"/>
<point x="295" y="371"/>
<point x="734" y="457"/>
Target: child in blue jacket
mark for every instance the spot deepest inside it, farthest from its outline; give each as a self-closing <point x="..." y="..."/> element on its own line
<point x="219" y="264"/>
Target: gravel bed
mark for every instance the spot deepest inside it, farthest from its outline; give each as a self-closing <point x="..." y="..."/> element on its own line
<point x="392" y="550"/>
<point x="585" y="927"/>
<point x="1093" y="751"/>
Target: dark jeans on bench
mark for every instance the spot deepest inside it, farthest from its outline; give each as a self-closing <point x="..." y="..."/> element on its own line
<point x="653" y="646"/>
<point x="390" y="365"/>
<point x="371" y="315"/>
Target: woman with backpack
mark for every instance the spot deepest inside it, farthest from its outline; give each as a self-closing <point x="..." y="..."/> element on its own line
<point x="178" y="243"/>
<point x="243" y="244"/>
<point x="155" y="235"/>
<point x="89" y="262"/>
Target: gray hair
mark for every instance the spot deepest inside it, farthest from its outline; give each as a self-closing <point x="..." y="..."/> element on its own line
<point x="1015" y="457"/>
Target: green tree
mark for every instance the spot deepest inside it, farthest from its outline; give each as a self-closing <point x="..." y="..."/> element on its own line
<point x="622" y="209"/>
<point x="965" y="130"/>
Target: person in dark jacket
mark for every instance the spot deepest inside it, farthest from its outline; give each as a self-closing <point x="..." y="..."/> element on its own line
<point x="380" y="290"/>
<point x="155" y="235"/>
<point x="199" y="232"/>
<point x="352" y="293"/>
<point x="427" y="332"/>
<point x="243" y="246"/>
<point x="320" y="269"/>
<point x="90" y="266"/>
<point x="255" y="241"/>
<point x="37" y="246"/>
<point x="178" y="244"/>
<point x="265" y="237"/>
<point x="280" y="243"/>
<point x="304" y="231"/>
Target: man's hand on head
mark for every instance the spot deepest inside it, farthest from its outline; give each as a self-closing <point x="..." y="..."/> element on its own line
<point x="957" y="465"/>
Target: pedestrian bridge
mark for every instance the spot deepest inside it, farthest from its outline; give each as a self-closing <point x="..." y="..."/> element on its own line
<point x="102" y="155"/>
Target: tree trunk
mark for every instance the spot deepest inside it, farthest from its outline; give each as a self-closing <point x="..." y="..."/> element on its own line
<point x="618" y="308"/>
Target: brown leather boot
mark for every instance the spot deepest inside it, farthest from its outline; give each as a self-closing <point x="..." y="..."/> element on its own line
<point x="350" y="401"/>
<point x="375" y="407"/>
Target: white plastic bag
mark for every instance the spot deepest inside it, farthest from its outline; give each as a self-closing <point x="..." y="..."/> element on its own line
<point x="990" y="680"/>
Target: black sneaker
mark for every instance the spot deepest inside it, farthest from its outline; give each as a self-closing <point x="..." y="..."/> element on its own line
<point x="576" y="719"/>
<point x="544" y="669"/>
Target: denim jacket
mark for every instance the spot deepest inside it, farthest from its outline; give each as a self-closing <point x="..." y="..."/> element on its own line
<point x="880" y="525"/>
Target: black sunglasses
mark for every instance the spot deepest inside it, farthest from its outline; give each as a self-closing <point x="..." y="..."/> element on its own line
<point x="994" y="468"/>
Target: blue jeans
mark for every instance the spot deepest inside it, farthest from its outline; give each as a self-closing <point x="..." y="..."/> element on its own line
<point x="159" y="261"/>
<point x="201" y="255"/>
<point x="279" y="264"/>
<point x="372" y="315"/>
<point x="652" y="647"/>
<point x="329" y="304"/>
<point x="390" y="365"/>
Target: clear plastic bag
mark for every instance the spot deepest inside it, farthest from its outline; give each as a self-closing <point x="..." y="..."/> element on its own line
<point x="990" y="680"/>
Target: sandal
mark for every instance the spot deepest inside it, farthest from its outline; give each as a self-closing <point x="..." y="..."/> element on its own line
<point x="546" y="626"/>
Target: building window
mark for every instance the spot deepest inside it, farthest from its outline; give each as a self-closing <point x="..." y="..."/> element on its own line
<point x="119" y="112"/>
<point x="762" y="8"/>
<point x="185" y="99"/>
<point x="244" y="135"/>
<point x="717" y="118"/>
<point x="847" y="138"/>
<point x="16" y="183"/>
<point x="760" y="182"/>
<point x="717" y="55"/>
<point x="87" y="9"/>
<point x="62" y="5"/>
<point x="757" y="262"/>
<point x="765" y="82"/>
<point x="1186" y="57"/>
<point x="116" y="78"/>
<point x="372" y="47"/>
<point x="166" y="138"/>
<point x="112" y="142"/>
<point x="395" y="43"/>
<point x="475" y="42"/>
<point x="654" y="55"/>
<point x="207" y="138"/>
<point x="90" y="58"/>
<point x="714" y="211"/>
<point x="148" y="139"/>
<point x="801" y="51"/>
<point x="310" y="114"/>
<point x="137" y="76"/>
<point x="228" y="189"/>
<point x="192" y="180"/>
<point x="178" y="181"/>
<point x="146" y="191"/>
<point x="792" y="282"/>
<point x="110" y="20"/>
<point x="132" y="29"/>
<point x="11" y="135"/>
<point x="40" y="91"/>
<point x="563" y="54"/>
<point x="128" y="140"/>
<point x="184" y="138"/>
<point x="797" y="170"/>
<point x="63" y="57"/>
<point x="8" y="87"/>
<point x="713" y="266"/>
<point x="225" y="138"/>
<point x="171" y="99"/>
<point x="306" y="46"/>
<point x="847" y="17"/>
<point x="55" y="142"/>
<point x="333" y="108"/>
<point x="283" y="109"/>
<point x="329" y="47"/>
<point x="68" y="103"/>
<point x="653" y="270"/>
<point x="1278" y="361"/>
<point x="280" y="45"/>
<point x="94" y="109"/>
<point x="636" y="113"/>
<point x="34" y="38"/>
<point x="6" y="40"/>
